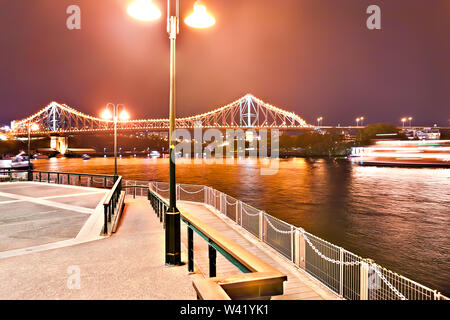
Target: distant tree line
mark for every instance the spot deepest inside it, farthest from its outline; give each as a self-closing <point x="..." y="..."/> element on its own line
<point x="314" y="143"/>
<point x="366" y="135"/>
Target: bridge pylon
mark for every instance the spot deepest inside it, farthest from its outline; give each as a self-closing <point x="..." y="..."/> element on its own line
<point x="60" y="144"/>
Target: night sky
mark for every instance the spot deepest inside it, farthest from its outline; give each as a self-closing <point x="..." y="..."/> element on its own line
<point x="313" y="57"/>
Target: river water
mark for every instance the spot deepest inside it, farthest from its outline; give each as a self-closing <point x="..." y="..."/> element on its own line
<point x="399" y="217"/>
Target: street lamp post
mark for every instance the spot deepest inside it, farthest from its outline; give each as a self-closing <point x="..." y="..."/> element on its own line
<point x="31" y="127"/>
<point x="123" y="116"/>
<point x="362" y="121"/>
<point x="319" y="121"/>
<point x="357" y="121"/>
<point x="410" y="119"/>
<point x="403" y="122"/>
<point x="145" y="10"/>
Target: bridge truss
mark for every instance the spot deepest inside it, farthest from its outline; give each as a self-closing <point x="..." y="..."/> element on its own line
<point x="246" y="112"/>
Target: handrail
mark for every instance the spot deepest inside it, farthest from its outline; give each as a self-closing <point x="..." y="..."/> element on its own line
<point x="117" y="185"/>
<point x="259" y="280"/>
<point x="110" y="203"/>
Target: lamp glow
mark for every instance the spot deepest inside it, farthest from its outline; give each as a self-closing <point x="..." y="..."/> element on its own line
<point x="200" y="18"/>
<point x="124" y="116"/>
<point x="107" y="114"/>
<point x="34" y="127"/>
<point x="144" y="10"/>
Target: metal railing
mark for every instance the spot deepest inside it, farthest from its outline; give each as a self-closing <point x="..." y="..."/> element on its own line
<point x="75" y="179"/>
<point x="136" y="189"/>
<point x="258" y="279"/>
<point x="345" y="273"/>
<point x="9" y="175"/>
<point x="66" y="178"/>
<point x="111" y="205"/>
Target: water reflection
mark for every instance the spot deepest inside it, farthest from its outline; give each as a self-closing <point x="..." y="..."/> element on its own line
<point x="397" y="216"/>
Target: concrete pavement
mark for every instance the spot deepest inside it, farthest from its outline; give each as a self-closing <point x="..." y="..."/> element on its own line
<point x="128" y="265"/>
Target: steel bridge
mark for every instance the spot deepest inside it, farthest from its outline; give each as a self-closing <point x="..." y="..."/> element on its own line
<point x="246" y="112"/>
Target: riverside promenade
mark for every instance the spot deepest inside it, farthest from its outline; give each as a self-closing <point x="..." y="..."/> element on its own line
<point x="39" y="251"/>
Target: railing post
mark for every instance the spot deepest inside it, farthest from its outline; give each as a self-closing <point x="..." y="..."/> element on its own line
<point x="437" y="295"/>
<point x="205" y="200"/>
<point x="240" y="213"/>
<point x="157" y="206"/>
<point x="237" y="211"/>
<point x="297" y="247"/>
<point x="341" y="272"/>
<point x="57" y="177"/>
<point x="292" y="244"/>
<point x="212" y="261"/>
<point x="105" y="211"/>
<point x="364" y="281"/>
<point x="261" y="226"/>
<point x="225" y="205"/>
<point x="190" y="249"/>
<point x="163" y="216"/>
<point x="40" y="176"/>
<point x="301" y="249"/>
<point x="79" y="181"/>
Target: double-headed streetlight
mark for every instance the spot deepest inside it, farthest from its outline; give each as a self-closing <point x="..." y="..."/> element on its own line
<point x="403" y="122"/>
<point x="31" y="127"/>
<point x="146" y="10"/>
<point x="319" y="121"/>
<point x="358" y="120"/>
<point x="116" y="117"/>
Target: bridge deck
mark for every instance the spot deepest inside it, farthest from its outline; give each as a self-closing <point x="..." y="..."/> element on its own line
<point x="300" y="286"/>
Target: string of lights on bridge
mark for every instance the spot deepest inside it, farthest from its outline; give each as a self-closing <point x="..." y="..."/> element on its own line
<point x="249" y="109"/>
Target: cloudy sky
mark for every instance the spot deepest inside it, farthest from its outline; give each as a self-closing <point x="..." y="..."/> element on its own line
<point x="316" y="58"/>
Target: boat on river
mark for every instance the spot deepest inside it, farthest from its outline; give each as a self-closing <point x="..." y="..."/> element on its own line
<point x="19" y="162"/>
<point x="399" y="153"/>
